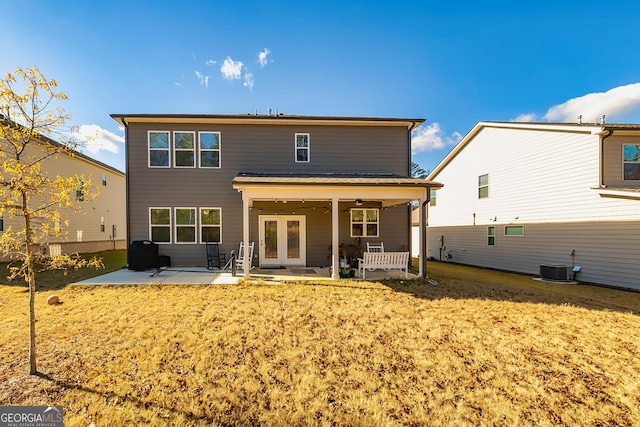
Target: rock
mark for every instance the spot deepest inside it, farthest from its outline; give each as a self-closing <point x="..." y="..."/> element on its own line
<point x="53" y="299"/>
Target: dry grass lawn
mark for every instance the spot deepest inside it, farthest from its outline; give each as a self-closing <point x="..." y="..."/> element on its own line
<point x="482" y="348"/>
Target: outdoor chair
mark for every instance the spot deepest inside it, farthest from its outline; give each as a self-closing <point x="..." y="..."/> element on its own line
<point x="375" y="247"/>
<point x="214" y="257"/>
<point x="241" y="255"/>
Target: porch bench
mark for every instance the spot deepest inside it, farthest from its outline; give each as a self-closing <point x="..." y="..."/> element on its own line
<point x="385" y="260"/>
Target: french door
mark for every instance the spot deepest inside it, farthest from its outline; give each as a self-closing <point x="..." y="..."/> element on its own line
<point x="282" y="240"/>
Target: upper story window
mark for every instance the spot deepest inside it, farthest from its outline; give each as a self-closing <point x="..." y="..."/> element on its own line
<point x="104" y="179"/>
<point x="364" y="222"/>
<point x="432" y="197"/>
<point x="210" y="225"/>
<point x="160" y="225"/>
<point x="209" y="149"/>
<point x="483" y="186"/>
<point x="631" y="160"/>
<point x="302" y="147"/>
<point x="158" y="149"/>
<point x="184" y="145"/>
<point x="80" y="189"/>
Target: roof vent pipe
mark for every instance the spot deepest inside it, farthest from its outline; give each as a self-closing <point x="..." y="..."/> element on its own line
<point x="580" y="119"/>
<point x="269" y="112"/>
<point x="602" y="117"/>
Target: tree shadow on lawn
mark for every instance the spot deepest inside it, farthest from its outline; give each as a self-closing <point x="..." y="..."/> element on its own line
<point x="113" y="398"/>
<point x="465" y="282"/>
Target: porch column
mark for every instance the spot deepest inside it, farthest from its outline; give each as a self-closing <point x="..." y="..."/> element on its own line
<point x="246" y="266"/>
<point x="422" y="271"/>
<point x="335" y="248"/>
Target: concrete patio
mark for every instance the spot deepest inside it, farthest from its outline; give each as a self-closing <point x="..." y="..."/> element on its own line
<point x="200" y="275"/>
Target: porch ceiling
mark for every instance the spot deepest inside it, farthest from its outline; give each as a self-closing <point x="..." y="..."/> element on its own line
<point x="389" y="189"/>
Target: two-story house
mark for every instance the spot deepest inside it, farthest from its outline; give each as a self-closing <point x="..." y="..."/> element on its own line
<point x="563" y="196"/>
<point x="298" y="187"/>
<point x="100" y="223"/>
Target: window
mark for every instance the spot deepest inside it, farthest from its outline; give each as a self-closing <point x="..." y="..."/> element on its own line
<point x="631" y="160"/>
<point x="491" y="236"/>
<point x="102" y="224"/>
<point x="184" y="145"/>
<point x="160" y="225"/>
<point x="514" y="230"/>
<point x="185" y="225"/>
<point x="104" y="180"/>
<point x="209" y="149"/>
<point x="432" y="197"/>
<point x="364" y="222"/>
<point x="483" y="186"/>
<point x="80" y="184"/>
<point x="1" y="223"/>
<point x="302" y="147"/>
<point x="158" y="149"/>
<point x="210" y="225"/>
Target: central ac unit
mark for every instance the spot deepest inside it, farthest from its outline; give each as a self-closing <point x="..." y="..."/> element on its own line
<point x="555" y="272"/>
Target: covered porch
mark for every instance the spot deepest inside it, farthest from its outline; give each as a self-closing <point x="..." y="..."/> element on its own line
<point x="332" y="194"/>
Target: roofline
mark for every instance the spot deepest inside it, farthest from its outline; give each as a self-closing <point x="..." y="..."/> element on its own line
<point x="586" y="128"/>
<point x="73" y="152"/>
<point x="270" y="119"/>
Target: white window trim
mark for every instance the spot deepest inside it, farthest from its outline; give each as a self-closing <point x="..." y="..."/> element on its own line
<point x="308" y="148"/>
<point x="170" y="225"/>
<point x="149" y="149"/>
<point x="200" y="225"/>
<point x="483" y="186"/>
<point x="513" y="235"/>
<point x="176" y="225"/>
<point x="624" y="162"/>
<point x="364" y="222"/>
<point x="219" y="150"/>
<point x="176" y="150"/>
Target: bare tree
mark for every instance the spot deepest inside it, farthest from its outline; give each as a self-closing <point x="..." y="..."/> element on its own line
<point x="31" y="201"/>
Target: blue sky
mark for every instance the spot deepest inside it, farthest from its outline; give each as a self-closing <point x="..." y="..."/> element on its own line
<point x="453" y="63"/>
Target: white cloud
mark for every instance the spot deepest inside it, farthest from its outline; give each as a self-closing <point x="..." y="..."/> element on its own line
<point x="262" y="57"/>
<point x="203" y="79"/>
<point x="231" y="70"/>
<point x="96" y="139"/>
<point x="248" y="80"/>
<point x="528" y="117"/>
<point x="614" y="103"/>
<point x="210" y="62"/>
<point x="432" y="137"/>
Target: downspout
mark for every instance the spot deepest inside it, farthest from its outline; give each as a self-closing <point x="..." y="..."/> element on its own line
<point x="127" y="198"/>
<point x="411" y="128"/>
<point x="602" y="138"/>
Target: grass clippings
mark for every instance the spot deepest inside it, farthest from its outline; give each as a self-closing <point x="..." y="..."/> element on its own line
<point x="481" y="348"/>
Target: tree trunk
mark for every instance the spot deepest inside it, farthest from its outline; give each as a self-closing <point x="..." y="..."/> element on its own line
<point x="31" y="281"/>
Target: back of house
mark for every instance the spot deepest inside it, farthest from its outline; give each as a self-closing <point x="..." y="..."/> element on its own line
<point x="563" y="196"/>
<point x="293" y="185"/>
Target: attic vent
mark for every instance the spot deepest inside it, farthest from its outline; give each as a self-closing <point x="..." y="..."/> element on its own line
<point x="559" y="273"/>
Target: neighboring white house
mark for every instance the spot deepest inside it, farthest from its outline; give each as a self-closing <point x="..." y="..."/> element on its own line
<point x="519" y="196"/>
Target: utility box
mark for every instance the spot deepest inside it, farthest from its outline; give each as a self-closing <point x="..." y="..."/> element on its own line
<point x="560" y="273"/>
<point x="142" y="255"/>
